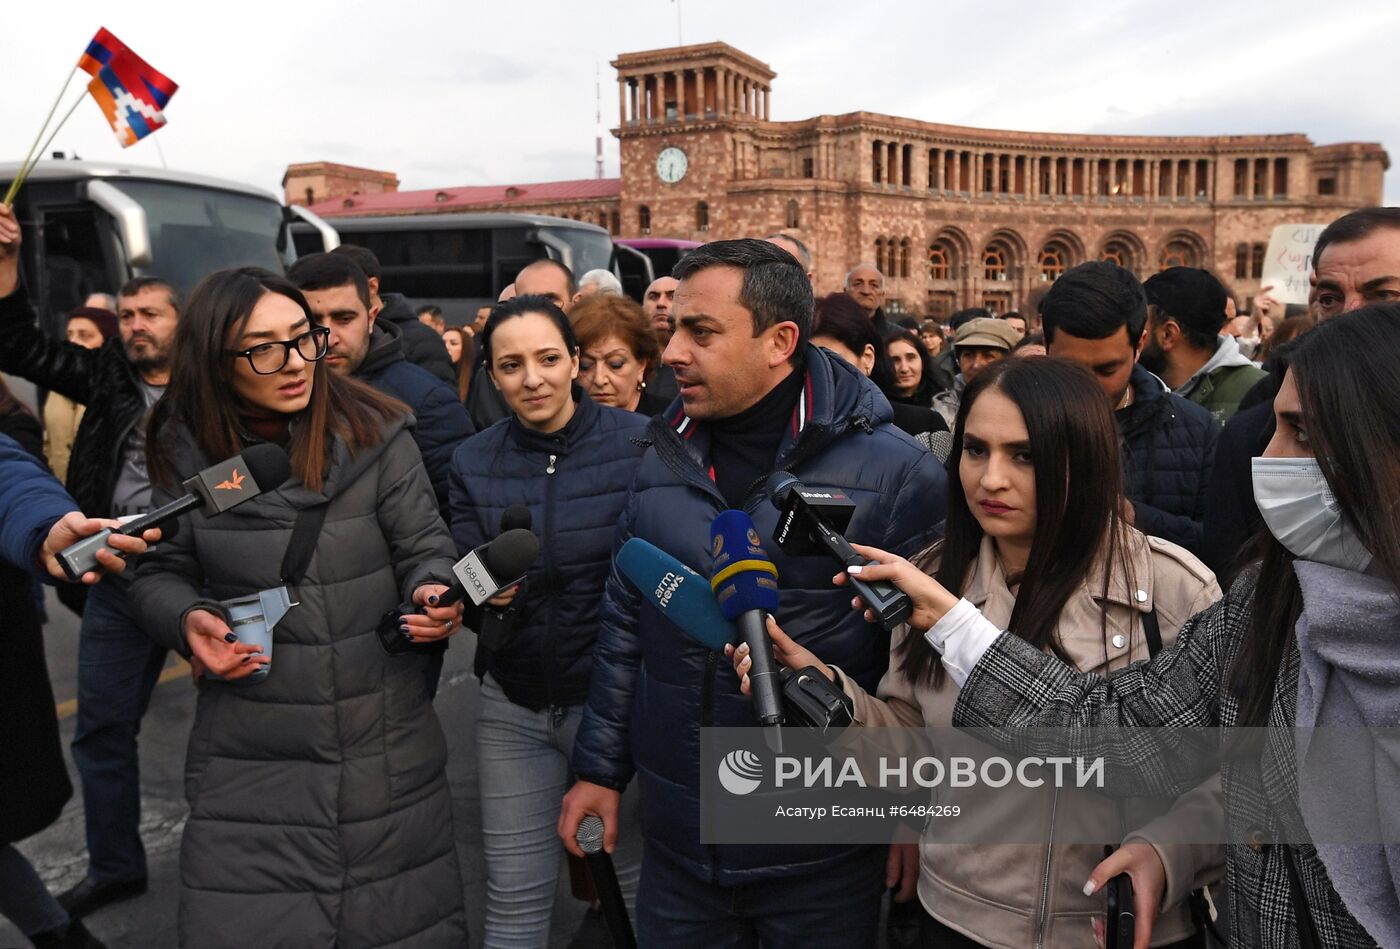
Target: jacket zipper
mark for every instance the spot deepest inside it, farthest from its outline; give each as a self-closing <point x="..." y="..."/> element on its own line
<point x="1045" y="874"/>
<point x="549" y="658"/>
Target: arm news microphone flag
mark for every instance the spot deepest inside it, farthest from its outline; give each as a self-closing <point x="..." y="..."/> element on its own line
<point x="681" y="594"/>
<point x="261" y="467"/>
<point x="745" y="582"/>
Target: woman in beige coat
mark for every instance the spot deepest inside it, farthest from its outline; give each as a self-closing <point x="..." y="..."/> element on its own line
<point x="1036" y="436"/>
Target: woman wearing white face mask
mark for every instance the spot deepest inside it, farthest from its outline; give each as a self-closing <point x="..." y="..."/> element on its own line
<point x="1309" y="637"/>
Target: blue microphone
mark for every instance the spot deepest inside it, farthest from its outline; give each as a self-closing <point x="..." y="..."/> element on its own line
<point x="745" y="582"/>
<point x="681" y="594"/>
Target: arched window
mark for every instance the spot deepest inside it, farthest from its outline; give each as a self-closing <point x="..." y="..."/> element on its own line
<point x="940" y="261"/>
<point x="702" y="215"/>
<point x="644" y="219"/>
<point x="880" y="255"/>
<point x="994" y="262"/>
<point x="614" y="224"/>
<point x="1118" y="252"/>
<point x="792" y="218"/>
<point x="1177" y="253"/>
<point x="1256" y="261"/>
<point x="1052" y="261"/>
<point x="1241" y="261"/>
<point x="904" y="257"/>
<point x="310" y="195"/>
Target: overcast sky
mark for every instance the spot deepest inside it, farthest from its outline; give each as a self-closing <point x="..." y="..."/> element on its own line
<point x="454" y="93"/>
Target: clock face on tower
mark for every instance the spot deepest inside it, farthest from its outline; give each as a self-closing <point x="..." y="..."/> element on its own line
<point x="671" y="165"/>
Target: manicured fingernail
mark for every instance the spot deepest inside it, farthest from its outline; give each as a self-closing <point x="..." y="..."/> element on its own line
<point x="854" y="569"/>
<point x="409" y="638"/>
<point x="230" y="638"/>
<point x="432" y="601"/>
<point x="1089" y="888"/>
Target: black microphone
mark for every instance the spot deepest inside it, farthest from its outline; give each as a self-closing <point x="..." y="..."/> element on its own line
<point x="808" y="525"/>
<point x="261" y="467"/>
<point x="495" y="625"/>
<point x="492" y="567"/>
<point x="600" y="867"/>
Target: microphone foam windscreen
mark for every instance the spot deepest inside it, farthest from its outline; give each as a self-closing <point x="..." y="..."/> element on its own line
<point x="680" y="593"/>
<point x="268" y="464"/>
<point x="510" y="554"/>
<point x="517" y="516"/>
<point x="742" y="575"/>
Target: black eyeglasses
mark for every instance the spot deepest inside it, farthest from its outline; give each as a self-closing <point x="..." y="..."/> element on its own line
<point x="270" y="357"/>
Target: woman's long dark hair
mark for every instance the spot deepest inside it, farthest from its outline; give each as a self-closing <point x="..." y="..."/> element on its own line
<point x="466" y="361"/>
<point x="839" y="316"/>
<point x="1078" y="484"/>
<point x="201" y="397"/>
<point x="928" y="388"/>
<point x="1349" y="390"/>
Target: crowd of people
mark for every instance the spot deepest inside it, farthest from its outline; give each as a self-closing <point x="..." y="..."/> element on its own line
<point x="1128" y="505"/>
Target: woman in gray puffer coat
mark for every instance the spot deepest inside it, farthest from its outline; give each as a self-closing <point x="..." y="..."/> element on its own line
<point x="319" y="808"/>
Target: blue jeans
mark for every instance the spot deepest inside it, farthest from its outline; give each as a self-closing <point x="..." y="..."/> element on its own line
<point x="24" y="900"/>
<point x="118" y="666"/>
<point x="523" y="760"/>
<point x="835" y="908"/>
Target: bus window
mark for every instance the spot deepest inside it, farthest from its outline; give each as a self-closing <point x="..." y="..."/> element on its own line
<point x="74" y="265"/>
<point x="195" y="232"/>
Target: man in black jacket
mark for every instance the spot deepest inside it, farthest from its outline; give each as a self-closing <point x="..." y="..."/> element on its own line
<point x="422" y="346"/>
<point x="1096" y="315"/>
<point x="755" y="397"/>
<point x="118" y="664"/>
<point x="366" y="347"/>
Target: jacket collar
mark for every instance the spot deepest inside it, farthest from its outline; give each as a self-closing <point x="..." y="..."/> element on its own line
<point x="835" y="397"/>
<point x="1227" y="355"/>
<point x="385" y="348"/>
<point x="585" y="416"/>
<point x="989" y="582"/>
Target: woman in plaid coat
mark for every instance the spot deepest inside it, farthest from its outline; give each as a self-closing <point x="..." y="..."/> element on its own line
<point x="1307" y="637"/>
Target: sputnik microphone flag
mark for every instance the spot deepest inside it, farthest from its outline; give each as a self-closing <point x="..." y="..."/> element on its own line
<point x="131" y="93"/>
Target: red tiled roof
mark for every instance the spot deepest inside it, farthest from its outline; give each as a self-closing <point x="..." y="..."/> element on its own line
<point x="453" y="199"/>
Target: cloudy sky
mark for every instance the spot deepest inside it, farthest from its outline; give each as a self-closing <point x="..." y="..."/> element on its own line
<point x="453" y="93"/>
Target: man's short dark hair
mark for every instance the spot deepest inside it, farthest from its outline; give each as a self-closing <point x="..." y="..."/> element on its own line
<point x="1092" y="300"/>
<point x="775" y="288"/>
<point x="558" y="265"/>
<point x="434" y="311"/>
<point x="1193" y="298"/>
<point x="325" y="271"/>
<point x="136" y="284"/>
<point x="1353" y="227"/>
<point x="363" y="257"/>
<point x="967" y="316"/>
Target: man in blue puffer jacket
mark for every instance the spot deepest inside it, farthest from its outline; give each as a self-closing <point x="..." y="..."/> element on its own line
<point x="755" y="398"/>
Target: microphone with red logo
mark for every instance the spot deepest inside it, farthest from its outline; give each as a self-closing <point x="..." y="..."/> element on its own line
<point x="261" y="467"/>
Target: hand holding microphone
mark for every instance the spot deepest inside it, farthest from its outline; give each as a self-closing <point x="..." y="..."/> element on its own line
<point x="929" y="600"/>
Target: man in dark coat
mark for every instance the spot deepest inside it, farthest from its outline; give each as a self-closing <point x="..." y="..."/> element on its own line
<point x="37" y="519"/>
<point x="363" y="345"/>
<point x="756" y="397"/>
<point x="118" y="664"/>
<point x="1096" y="315"/>
<point x="422" y="345"/>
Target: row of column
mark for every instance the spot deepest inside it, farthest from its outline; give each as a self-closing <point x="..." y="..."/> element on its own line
<point x="1261" y="177"/>
<point x="705" y="91"/>
<point x="1039" y="175"/>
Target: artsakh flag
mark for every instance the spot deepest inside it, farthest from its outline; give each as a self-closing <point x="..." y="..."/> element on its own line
<point x="132" y="94"/>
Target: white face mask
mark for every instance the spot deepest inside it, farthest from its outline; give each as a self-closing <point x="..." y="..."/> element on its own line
<point x="1301" y="513"/>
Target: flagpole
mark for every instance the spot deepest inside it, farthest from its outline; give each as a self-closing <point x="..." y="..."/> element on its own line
<point x="19" y="179"/>
<point x="52" y="135"/>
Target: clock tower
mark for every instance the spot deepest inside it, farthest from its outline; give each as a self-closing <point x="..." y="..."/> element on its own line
<point x="688" y="119"/>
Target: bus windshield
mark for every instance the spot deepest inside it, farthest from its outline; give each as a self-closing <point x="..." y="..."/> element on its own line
<point x="592" y="249"/>
<point x="195" y="231"/>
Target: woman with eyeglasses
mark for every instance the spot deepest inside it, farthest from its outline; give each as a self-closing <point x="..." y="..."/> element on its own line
<point x="570" y="461"/>
<point x="319" y="806"/>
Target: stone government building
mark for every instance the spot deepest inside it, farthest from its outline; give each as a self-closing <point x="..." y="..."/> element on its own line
<point x="953" y="216"/>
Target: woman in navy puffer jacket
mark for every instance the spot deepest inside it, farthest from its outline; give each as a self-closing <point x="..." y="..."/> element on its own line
<point x="569" y="461"/>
